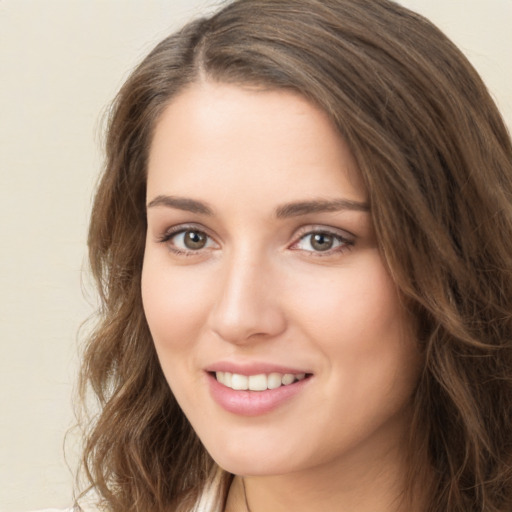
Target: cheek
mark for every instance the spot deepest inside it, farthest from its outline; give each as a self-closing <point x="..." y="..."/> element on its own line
<point x="358" y="303"/>
<point x="381" y="349"/>
<point x="175" y="303"/>
<point x="357" y="321"/>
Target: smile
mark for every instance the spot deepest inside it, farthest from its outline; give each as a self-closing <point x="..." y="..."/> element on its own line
<point x="256" y="391"/>
<point x="260" y="382"/>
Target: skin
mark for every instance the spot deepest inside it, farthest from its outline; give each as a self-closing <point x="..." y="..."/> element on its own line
<point x="259" y="290"/>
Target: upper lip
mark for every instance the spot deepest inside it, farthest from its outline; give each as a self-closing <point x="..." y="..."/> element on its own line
<point x="253" y="368"/>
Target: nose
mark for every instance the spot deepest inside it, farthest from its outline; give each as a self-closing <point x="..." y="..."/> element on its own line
<point x="248" y="305"/>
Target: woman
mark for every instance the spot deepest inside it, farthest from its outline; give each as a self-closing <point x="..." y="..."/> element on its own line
<point x="301" y="240"/>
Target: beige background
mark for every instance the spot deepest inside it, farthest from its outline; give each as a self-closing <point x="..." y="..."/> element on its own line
<point x="61" y="61"/>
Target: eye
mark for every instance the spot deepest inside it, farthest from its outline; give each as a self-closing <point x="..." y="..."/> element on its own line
<point x="322" y="242"/>
<point x="193" y="240"/>
<point x="188" y="240"/>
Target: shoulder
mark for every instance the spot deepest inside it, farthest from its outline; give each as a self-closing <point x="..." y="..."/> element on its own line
<point x="54" y="510"/>
<point x="86" y="508"/>
<point x="88" y="503"/>
<point x="210" y="499"/>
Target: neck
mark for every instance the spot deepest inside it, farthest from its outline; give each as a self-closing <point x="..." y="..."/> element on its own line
<point x="377" y="484"/>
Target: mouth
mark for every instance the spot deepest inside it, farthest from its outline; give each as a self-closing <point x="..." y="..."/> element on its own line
<point x="256" y="391"/>
<point x="259" y="382"/>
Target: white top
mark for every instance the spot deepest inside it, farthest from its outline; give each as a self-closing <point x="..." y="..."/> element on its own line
<point x="209" y="499"/>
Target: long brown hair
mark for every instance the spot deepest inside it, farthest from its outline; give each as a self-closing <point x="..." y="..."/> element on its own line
<point x="437" y="162"/>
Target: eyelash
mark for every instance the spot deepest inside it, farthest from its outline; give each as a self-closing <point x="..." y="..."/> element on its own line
<point x="167" y="237"/>
<point x="345" y="243"/>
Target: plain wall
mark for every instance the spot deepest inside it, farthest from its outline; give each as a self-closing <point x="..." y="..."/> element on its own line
<point x="61" y="62"/>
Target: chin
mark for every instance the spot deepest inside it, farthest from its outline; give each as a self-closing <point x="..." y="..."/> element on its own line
<point x="243" y="467"/>
<point x="255" y="459"/>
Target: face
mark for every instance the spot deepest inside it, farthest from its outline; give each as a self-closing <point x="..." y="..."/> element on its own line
<point x="275" y="321"/>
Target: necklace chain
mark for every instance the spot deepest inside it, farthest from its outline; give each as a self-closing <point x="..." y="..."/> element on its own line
<point x="245" y="496"/>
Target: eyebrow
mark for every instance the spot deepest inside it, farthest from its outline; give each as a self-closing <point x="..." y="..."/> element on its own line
<point x="181" y="203"/>
<point x="293" y="209"/>
<point x="296" y="209"/>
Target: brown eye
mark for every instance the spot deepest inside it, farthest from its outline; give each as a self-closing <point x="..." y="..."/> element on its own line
<point x="321" y="241"/>
<point x="316" y="242"/>
<point x="188" y="240"/>
<point x="194" y="240"/>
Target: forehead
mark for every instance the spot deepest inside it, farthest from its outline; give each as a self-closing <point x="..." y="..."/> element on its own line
<point x="215" y="134"/>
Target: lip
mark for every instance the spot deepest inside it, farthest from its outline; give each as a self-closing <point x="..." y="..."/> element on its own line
<point x="253" y="368"/>
<point x="253" y="403"/>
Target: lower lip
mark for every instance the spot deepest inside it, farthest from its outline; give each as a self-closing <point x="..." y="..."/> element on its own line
<point x="253" y="403"/>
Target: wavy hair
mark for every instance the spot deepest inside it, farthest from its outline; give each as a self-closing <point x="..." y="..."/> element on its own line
<point x="436" y="159"/>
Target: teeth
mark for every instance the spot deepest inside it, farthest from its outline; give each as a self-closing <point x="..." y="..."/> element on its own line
<point x="274" y="380"/>
<point x="239" y="382"/>
<point x="259" y="382"/>
<point x="288" y="378"/>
